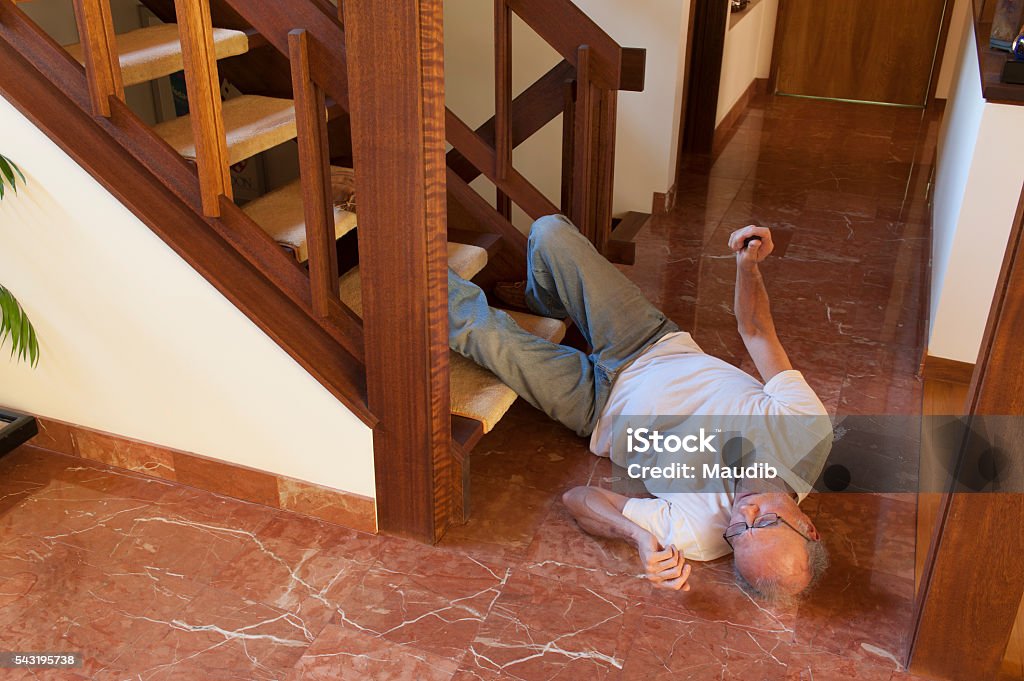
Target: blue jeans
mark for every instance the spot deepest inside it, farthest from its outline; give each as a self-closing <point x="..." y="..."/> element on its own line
<point x="566" y="277"/>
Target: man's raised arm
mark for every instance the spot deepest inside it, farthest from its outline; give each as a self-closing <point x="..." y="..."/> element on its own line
<point x="753" y="313"/>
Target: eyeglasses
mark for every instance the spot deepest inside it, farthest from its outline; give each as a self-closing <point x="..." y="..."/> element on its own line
<point x="760" y="522"/>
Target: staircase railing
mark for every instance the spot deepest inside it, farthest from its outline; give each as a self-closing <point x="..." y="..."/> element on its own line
<point x="390" y="365"/>
<point x="583" y="88"/>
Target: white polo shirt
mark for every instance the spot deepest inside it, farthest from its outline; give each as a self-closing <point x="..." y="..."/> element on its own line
<point x="674" y="376"/>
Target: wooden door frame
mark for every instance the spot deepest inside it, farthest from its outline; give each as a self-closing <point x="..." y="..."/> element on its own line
<point x="963" y="618"/>
<point x="702" y="75"/>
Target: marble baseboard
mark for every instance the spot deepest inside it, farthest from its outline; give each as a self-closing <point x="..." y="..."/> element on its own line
<point x="221" y="477"/>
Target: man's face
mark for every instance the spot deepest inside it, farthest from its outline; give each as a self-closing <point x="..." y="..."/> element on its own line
<point x="778" y="552"/>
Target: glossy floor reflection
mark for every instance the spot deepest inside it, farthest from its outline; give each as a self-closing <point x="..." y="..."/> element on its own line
<point x="155" y="581"/>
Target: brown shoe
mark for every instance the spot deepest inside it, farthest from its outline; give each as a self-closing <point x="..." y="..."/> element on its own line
<point x="512" y="294"/>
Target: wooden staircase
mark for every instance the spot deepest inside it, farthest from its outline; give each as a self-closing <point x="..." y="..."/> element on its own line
<point x="371" y="328"/>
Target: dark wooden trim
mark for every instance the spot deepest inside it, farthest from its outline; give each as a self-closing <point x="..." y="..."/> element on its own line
<point x="940" y="49"/>
<point x="687" y="71"/>
<point x="773" y="71"/>
<point x="16" y="429"/>
<point x="950" y="370"/>
<point x="980" y="605"/>
<point x="566" y="27"/>
<point x="724" y="130"/>
<point x="403" y="255"/>
<point x="709" y="26"/>
<point x="621" y="245"/>
<point x="160" y="187"/>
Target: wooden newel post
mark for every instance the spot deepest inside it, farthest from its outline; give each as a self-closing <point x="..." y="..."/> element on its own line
<point x="396" y="96"/>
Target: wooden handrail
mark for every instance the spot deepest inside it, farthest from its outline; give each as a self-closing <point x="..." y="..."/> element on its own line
<point x="196" y="31"/>
<point x="99" y="50"/>
<point x="314" y="166"/>
<point x="565" y="27"/>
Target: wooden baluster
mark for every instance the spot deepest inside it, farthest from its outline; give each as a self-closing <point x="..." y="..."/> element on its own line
<point x="502" y="88"/>
<point x="204" y="102"/>
<point x="502" y="100"/>
<point x="314" y="166"/>
<point x="604" y="181"/>
<point x="99" y="50"/>
<point x="568" y="146"/>
<point x="583" y="142"/>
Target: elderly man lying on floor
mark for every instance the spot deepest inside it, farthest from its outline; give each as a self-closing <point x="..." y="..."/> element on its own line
<point x="643" y="371"/>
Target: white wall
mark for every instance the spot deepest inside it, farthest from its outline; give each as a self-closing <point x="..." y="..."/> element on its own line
<point x="958" y="22"/>
<point x="136" y="343"/>
<point x="977" y="188"/>
<point x="648" y="122"/>
<point x="747" y="54"/>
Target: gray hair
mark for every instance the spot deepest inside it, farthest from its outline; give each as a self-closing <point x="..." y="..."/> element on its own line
<point x="769" y="590"/>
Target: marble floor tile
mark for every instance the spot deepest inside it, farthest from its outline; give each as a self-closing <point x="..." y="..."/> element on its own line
<point x="343" y="654"/>
<point x="431" y="598"/>
<point x="543" y="629"/>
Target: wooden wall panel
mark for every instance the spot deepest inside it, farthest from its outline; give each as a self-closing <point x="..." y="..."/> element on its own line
<point x="869" y="50"/>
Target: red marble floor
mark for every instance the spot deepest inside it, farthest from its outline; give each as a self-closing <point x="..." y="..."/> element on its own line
<point x="155" y="581"/>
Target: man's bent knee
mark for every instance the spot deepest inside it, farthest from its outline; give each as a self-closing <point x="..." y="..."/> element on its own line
<point x="550" y="228"/>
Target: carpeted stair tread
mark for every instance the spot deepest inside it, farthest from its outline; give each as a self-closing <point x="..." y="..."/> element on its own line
<point x="478" y="394"/>
<point x="280" y="212"/>
<point x="253" y="123"/>
<point x="465" y="260"/>
<point x="155" y="51"/>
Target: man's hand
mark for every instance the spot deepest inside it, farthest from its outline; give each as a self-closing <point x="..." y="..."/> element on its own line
<point x="665" y="568"/>
<point x="760" y="245"/>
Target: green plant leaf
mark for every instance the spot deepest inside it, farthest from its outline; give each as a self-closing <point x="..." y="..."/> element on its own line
<point x="7" y="169"/>
<point x="16" y="327"/>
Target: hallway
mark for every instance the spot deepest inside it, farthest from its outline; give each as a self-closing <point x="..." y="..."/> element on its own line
<point x="157" y="581"/>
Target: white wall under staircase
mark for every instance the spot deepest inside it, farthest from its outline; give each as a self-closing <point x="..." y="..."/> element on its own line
<point x="135" y="342"/>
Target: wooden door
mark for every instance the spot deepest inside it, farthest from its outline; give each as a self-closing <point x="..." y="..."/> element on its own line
<point x="865" y="50"/>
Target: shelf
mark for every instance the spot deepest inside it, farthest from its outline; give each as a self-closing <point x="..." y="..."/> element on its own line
<point x="991" y="63"/>
<point x="737" y="17"/>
